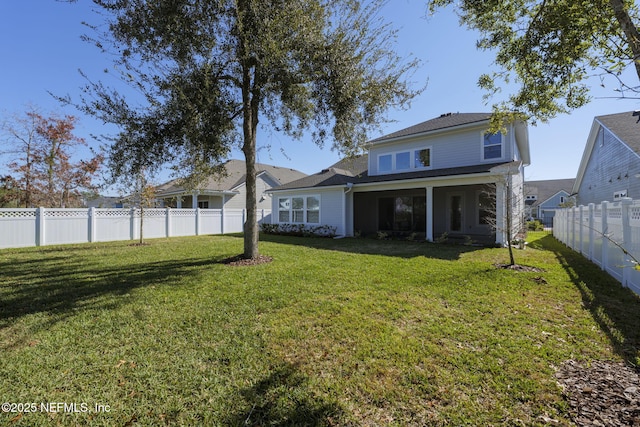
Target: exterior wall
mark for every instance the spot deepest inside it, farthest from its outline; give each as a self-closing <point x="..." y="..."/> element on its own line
<point x="611" y="168"/>
<point x="332" y="207"/>
<point x="238" y="201"/>
<point x="448" y="150"/>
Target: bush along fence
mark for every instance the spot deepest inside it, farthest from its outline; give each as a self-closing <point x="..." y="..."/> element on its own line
<point x="608" y="234"/>
<point x="39" y="227"/>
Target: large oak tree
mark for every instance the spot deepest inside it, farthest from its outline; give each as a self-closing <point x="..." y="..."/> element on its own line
<point x="207" y="72"/>
<point x="550" y="49"/>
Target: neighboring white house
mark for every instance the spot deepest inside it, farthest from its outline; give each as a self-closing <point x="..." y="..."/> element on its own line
<point x="227" y="190"/>
<point x="429" y="179"/>
<point x="543" y="198"/>
<point x="610" y="165"/>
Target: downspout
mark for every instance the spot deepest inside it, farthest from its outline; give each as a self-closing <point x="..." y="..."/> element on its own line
<point x="347" y="189"/>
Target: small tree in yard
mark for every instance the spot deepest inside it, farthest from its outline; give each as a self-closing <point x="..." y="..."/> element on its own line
<point x="142" y="198"/>
<point x="210" y="71"/>
<point x="513" y="227"/>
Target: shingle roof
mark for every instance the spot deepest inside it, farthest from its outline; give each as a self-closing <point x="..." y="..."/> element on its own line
<point x="355" y="171"/>
<point x="545" y="189"/>
<point x="625" y="126"/>
<point x="443" y="122"/>
<point x="235" y="175"/>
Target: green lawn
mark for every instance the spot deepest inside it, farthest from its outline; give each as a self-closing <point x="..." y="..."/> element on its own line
<point x="332" y="332"/>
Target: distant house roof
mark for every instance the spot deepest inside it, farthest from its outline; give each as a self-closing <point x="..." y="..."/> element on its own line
<point x="234" y="176"/>
<point x="546" y="189"/>
<point x="355" y="171"/>
<point x="444" y="121"/>
<point x="625" y="126"/>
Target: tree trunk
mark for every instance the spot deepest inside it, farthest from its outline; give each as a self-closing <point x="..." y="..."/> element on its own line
<point x="249" y="127"/>
<point x="630" y="30"/>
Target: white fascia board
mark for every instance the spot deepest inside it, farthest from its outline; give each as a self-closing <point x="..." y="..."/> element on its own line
<point x="306" y="189"/>
<point x="586" y="154"/>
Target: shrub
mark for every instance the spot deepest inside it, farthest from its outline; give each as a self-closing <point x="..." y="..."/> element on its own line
<point x="535" y="225"/>
<point x="300" y="230"/>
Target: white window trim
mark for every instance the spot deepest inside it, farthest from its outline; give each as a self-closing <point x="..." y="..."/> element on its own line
<point x="502" y="148"/>
<point x="304" y="209"/>
<point x="412" y="162"/>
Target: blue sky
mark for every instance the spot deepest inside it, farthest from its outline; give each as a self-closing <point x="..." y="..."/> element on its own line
<point x="41" y="52"/>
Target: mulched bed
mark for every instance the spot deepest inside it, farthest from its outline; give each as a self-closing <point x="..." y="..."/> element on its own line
<point x="519" y="267"/>
<point x="240" y="260"/>
<point x="601" y="393"/>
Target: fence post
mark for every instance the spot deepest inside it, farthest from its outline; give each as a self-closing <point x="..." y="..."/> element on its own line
<point x="580" y="227"/>
<point x="132" y="224"/>
<point x="222" y="217"/>
<point x="197" y="221"/>
<point x="573" y="229"/>
<point x="92" y="224"/>
<point x="168" y="223"/>
<point x="591" y="229"/>
<point x="40" y="227"/>
<point x="605" y="231"/>
<point x="625" y="205"/>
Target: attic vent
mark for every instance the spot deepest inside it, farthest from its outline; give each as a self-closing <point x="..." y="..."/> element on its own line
<point x="446" y="114"/>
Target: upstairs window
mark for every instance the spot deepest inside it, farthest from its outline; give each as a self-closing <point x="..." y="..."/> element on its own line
<point x="404" y="161"/>
<point x="422" y="158"/>
<point x="492" y="146"/>
<point x="385" y="163"/>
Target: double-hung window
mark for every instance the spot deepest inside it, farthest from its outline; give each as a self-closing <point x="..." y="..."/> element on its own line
<point x="299" y="209"/>
<point x="492" y="146"/>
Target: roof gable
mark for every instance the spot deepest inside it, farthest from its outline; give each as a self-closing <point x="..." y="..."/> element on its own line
<point x="624" y="126"/>
<point x="234" y="177"/>
<point x="547" y="189"/>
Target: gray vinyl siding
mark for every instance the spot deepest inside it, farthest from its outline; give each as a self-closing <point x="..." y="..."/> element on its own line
<point x="331" y="206"/>
<point x="238" y="201"/>
<point x="452" y="149"/>
<point x="612" y="167"/>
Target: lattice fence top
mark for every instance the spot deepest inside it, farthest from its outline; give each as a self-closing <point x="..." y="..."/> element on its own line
<point x="17" y="213"/>
<point x="614" y="213"/>
<point x="635" y="213"/>
<point x="183" y="212"/>
<point x="66" y="213"/>
<point x="113" y="213"/>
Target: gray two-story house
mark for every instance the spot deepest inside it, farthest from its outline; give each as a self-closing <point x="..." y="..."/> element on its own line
<point x="445" y="175"/>
<point x="610" y="165"/>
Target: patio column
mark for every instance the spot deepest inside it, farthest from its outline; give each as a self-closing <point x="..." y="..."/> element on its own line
<point x="429" y="214"/>
<point x="194" y="200"/>
<point x="500" y="213"/>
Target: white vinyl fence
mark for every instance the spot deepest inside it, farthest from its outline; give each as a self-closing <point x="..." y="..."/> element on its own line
<point x="600" y="232"/>
<point x="39" y="227"/>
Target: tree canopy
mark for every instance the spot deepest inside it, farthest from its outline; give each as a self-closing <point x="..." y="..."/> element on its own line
<point x="550" y="48"/>
<point x="209" y="71"/>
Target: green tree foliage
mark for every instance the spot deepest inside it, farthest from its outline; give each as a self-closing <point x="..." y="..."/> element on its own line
<point x="550" y="48"/>
<point x="210" y="71"/>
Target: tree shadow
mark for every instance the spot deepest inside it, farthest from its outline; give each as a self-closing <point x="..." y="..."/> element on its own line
<point x="283" y="398"/>
<point x="365" y="246"/>
<point x="612" y="306"/>
<point x="58" y="286"/>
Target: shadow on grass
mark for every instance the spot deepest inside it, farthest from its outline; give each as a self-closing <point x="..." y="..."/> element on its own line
<point x="60" y="285"/>
<point x="613" y="307"/>
<point x="393" y="248"/>
<point x="284" y="399"/>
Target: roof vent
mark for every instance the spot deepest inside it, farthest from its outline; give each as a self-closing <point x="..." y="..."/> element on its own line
<point x="446" y="114"/>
